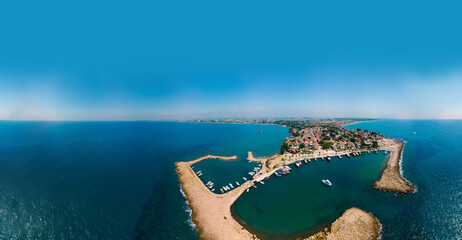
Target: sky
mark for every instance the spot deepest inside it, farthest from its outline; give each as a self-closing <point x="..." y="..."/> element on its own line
<point x="166" y="60"/>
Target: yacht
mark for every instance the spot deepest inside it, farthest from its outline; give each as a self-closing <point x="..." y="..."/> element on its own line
<point x="327" y="182"/>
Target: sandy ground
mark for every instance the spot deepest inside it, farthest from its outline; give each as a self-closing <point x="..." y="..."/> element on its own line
<point x="391" y="179"/>
<point x="211" y="212"/>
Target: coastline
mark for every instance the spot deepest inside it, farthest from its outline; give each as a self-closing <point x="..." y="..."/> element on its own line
<point x="391" y="178"/>
<point x="212" y="216"/>
<point x="211" y="213"/>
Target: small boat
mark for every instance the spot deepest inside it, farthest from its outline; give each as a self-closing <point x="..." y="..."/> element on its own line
<point x="245" y="179"/>
<point x="259" y="131"/>
<point x="231" y="185"/>
<point x="348" y="155"/>
<point x="213" y="190"/>
<point x="247" y="190"/>
<point x="328" y="159"/>
<point x="340" y="156"/>
<point x="262" y="182"/>
<point x="237" y="183"/>
<point x="306" y="161"/>
<point x="255" y="186"/>
<point x="327" y="182"/>
<point x="385" y="152"/>
<point x="277" y="174"/>
<point x="221" y="190"/>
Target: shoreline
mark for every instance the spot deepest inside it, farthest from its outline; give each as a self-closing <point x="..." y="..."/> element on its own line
<point x="211" y="213"/>
<point x="392" y="178"/>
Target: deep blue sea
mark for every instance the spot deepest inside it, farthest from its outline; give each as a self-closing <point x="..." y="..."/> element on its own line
<point x="110" y="180"/>
<point x="116" y="180"/>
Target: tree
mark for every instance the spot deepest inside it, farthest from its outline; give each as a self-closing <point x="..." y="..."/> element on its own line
<point x="375" y="144"/>
<point x="326" y="145"/>
<point x="302" y="145"/>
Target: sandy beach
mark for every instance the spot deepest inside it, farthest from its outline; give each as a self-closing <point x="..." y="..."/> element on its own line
<point x="391" y="179"/>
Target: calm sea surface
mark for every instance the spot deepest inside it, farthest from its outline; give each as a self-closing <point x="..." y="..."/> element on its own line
<point x="110" y="180"/>
<point x="116" y="180"/>
<point x="432" y="161"/>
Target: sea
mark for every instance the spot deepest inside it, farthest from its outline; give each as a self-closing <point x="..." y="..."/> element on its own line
<point x="116" y="180"/>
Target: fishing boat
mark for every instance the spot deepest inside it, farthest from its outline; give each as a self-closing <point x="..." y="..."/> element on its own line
<point x="327" y="182"/>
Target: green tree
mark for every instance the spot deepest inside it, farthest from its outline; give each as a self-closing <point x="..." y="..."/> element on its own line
<point x="327" y="145"/>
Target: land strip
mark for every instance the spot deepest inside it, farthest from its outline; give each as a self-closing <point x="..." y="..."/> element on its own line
<point x="391" y="179"/>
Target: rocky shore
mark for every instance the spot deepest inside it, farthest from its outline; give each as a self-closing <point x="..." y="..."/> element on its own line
<point x="391" y="179"/>
<point x="353" y="224"/>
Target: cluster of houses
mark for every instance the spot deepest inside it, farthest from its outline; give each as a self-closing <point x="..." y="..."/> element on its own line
<point x="335" y="137"/>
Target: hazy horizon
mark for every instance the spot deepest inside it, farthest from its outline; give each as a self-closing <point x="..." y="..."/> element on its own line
<point x="173" y="61"/>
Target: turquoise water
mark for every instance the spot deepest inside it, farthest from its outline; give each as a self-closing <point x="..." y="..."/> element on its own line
<point x="108" y="180"/>
<point x="299" y="203"/>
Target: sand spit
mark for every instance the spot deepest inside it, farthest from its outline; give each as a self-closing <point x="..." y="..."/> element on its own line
<point x="211" y="212"/>
<point x="391" y="179"/>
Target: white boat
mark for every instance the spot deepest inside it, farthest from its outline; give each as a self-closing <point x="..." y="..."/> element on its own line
<point x="262" y="182"/>
<point x="237" y="183"/>
<point x="247" y="190"/>
<point x="245" y="179"/>
<point x="231" y="185"/>
<point x="327" y="182"/>
<point x="385" y="152"/>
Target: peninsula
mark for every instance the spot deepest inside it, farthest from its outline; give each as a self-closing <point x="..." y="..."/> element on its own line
<point x="391" y="179"/>
<point x="310" y="141"/>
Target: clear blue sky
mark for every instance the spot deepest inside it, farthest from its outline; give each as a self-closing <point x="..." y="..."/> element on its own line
<point x="197" y="59"/>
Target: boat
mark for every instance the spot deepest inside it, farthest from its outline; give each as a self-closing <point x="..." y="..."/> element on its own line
<point x="327" y="182"/>
<point x="237" y="183"/>
<point x="213" y="190"/>
<point x="245" y="179"/>
<point x="259" y="131"/>
<point x="247" y="190"/>
<point x="322" y="158"/>
<point x="262" y="182"/>
<point x="348" y="155"/>
<point x="340" y="156"/>
<point x="385" y="152"/>
<point x="231" y="185"/>
<point x="306" y="161"/>
<point x="328" y="159"/>
<point x="221" y="190"/>
<point x="277" y="174"/>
